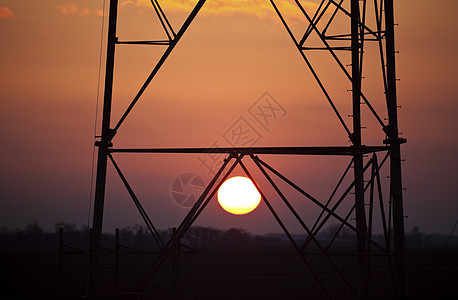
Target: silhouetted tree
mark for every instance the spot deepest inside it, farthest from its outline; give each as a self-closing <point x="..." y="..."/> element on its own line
<point x="236" y="237"/>
<point x="68" y="227"/>
<point x="72" y="236"/>
<point x="33" y="229"/>
<point x="203" y="236"/>
<point x="416" y="238"/>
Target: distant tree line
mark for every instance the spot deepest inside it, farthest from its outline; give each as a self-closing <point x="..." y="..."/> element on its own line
<point x="34" y="238"/>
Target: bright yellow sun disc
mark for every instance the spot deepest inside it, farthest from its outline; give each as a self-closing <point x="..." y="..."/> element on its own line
<point x="238" y="195"/>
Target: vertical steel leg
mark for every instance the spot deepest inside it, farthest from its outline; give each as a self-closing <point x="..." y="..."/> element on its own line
<point x="358" y="158"/>
<point x="395" y="148"/>
<point x="104" y="144"/>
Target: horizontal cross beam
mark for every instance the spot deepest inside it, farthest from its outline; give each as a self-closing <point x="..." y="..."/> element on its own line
<point x="344" y="150"/>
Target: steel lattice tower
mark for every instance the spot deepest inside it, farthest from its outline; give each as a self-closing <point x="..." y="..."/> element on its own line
<point x="363" y="158"/>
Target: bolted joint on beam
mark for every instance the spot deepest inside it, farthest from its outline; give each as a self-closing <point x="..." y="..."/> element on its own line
<point x="386" y="129"/>
<point x="106" y="138"/>
<point x="108" y="144"/>
<point x="395" y="141"/>
<point x="352" y="137"/>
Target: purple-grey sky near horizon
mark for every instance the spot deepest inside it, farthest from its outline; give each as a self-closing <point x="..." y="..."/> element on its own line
<point x="49" y="58"/>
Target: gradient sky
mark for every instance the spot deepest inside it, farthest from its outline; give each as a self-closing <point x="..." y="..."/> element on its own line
<point x="232" y="53"/>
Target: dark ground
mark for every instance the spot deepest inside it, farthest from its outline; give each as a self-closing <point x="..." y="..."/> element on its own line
<point x="275" y="272"/>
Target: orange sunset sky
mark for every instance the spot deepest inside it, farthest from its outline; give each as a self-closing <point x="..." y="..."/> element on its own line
<point x="232" y="54"/>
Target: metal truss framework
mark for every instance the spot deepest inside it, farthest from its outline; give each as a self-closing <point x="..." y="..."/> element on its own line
<point x="365" y="184"/>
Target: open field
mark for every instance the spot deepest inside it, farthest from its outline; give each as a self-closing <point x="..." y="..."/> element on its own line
<point x="227" y="273"/>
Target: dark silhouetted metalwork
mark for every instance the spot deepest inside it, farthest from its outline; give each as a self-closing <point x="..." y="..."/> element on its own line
<point x="365" y="183"/>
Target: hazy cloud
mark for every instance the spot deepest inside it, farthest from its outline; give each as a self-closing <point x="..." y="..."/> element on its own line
<point x="73" y="9"/>
<point x="6" y="13"/>
<point x="258" y="8"/>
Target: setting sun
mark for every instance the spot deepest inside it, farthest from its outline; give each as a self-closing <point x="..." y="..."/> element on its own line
<point x="238" y="195"/>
